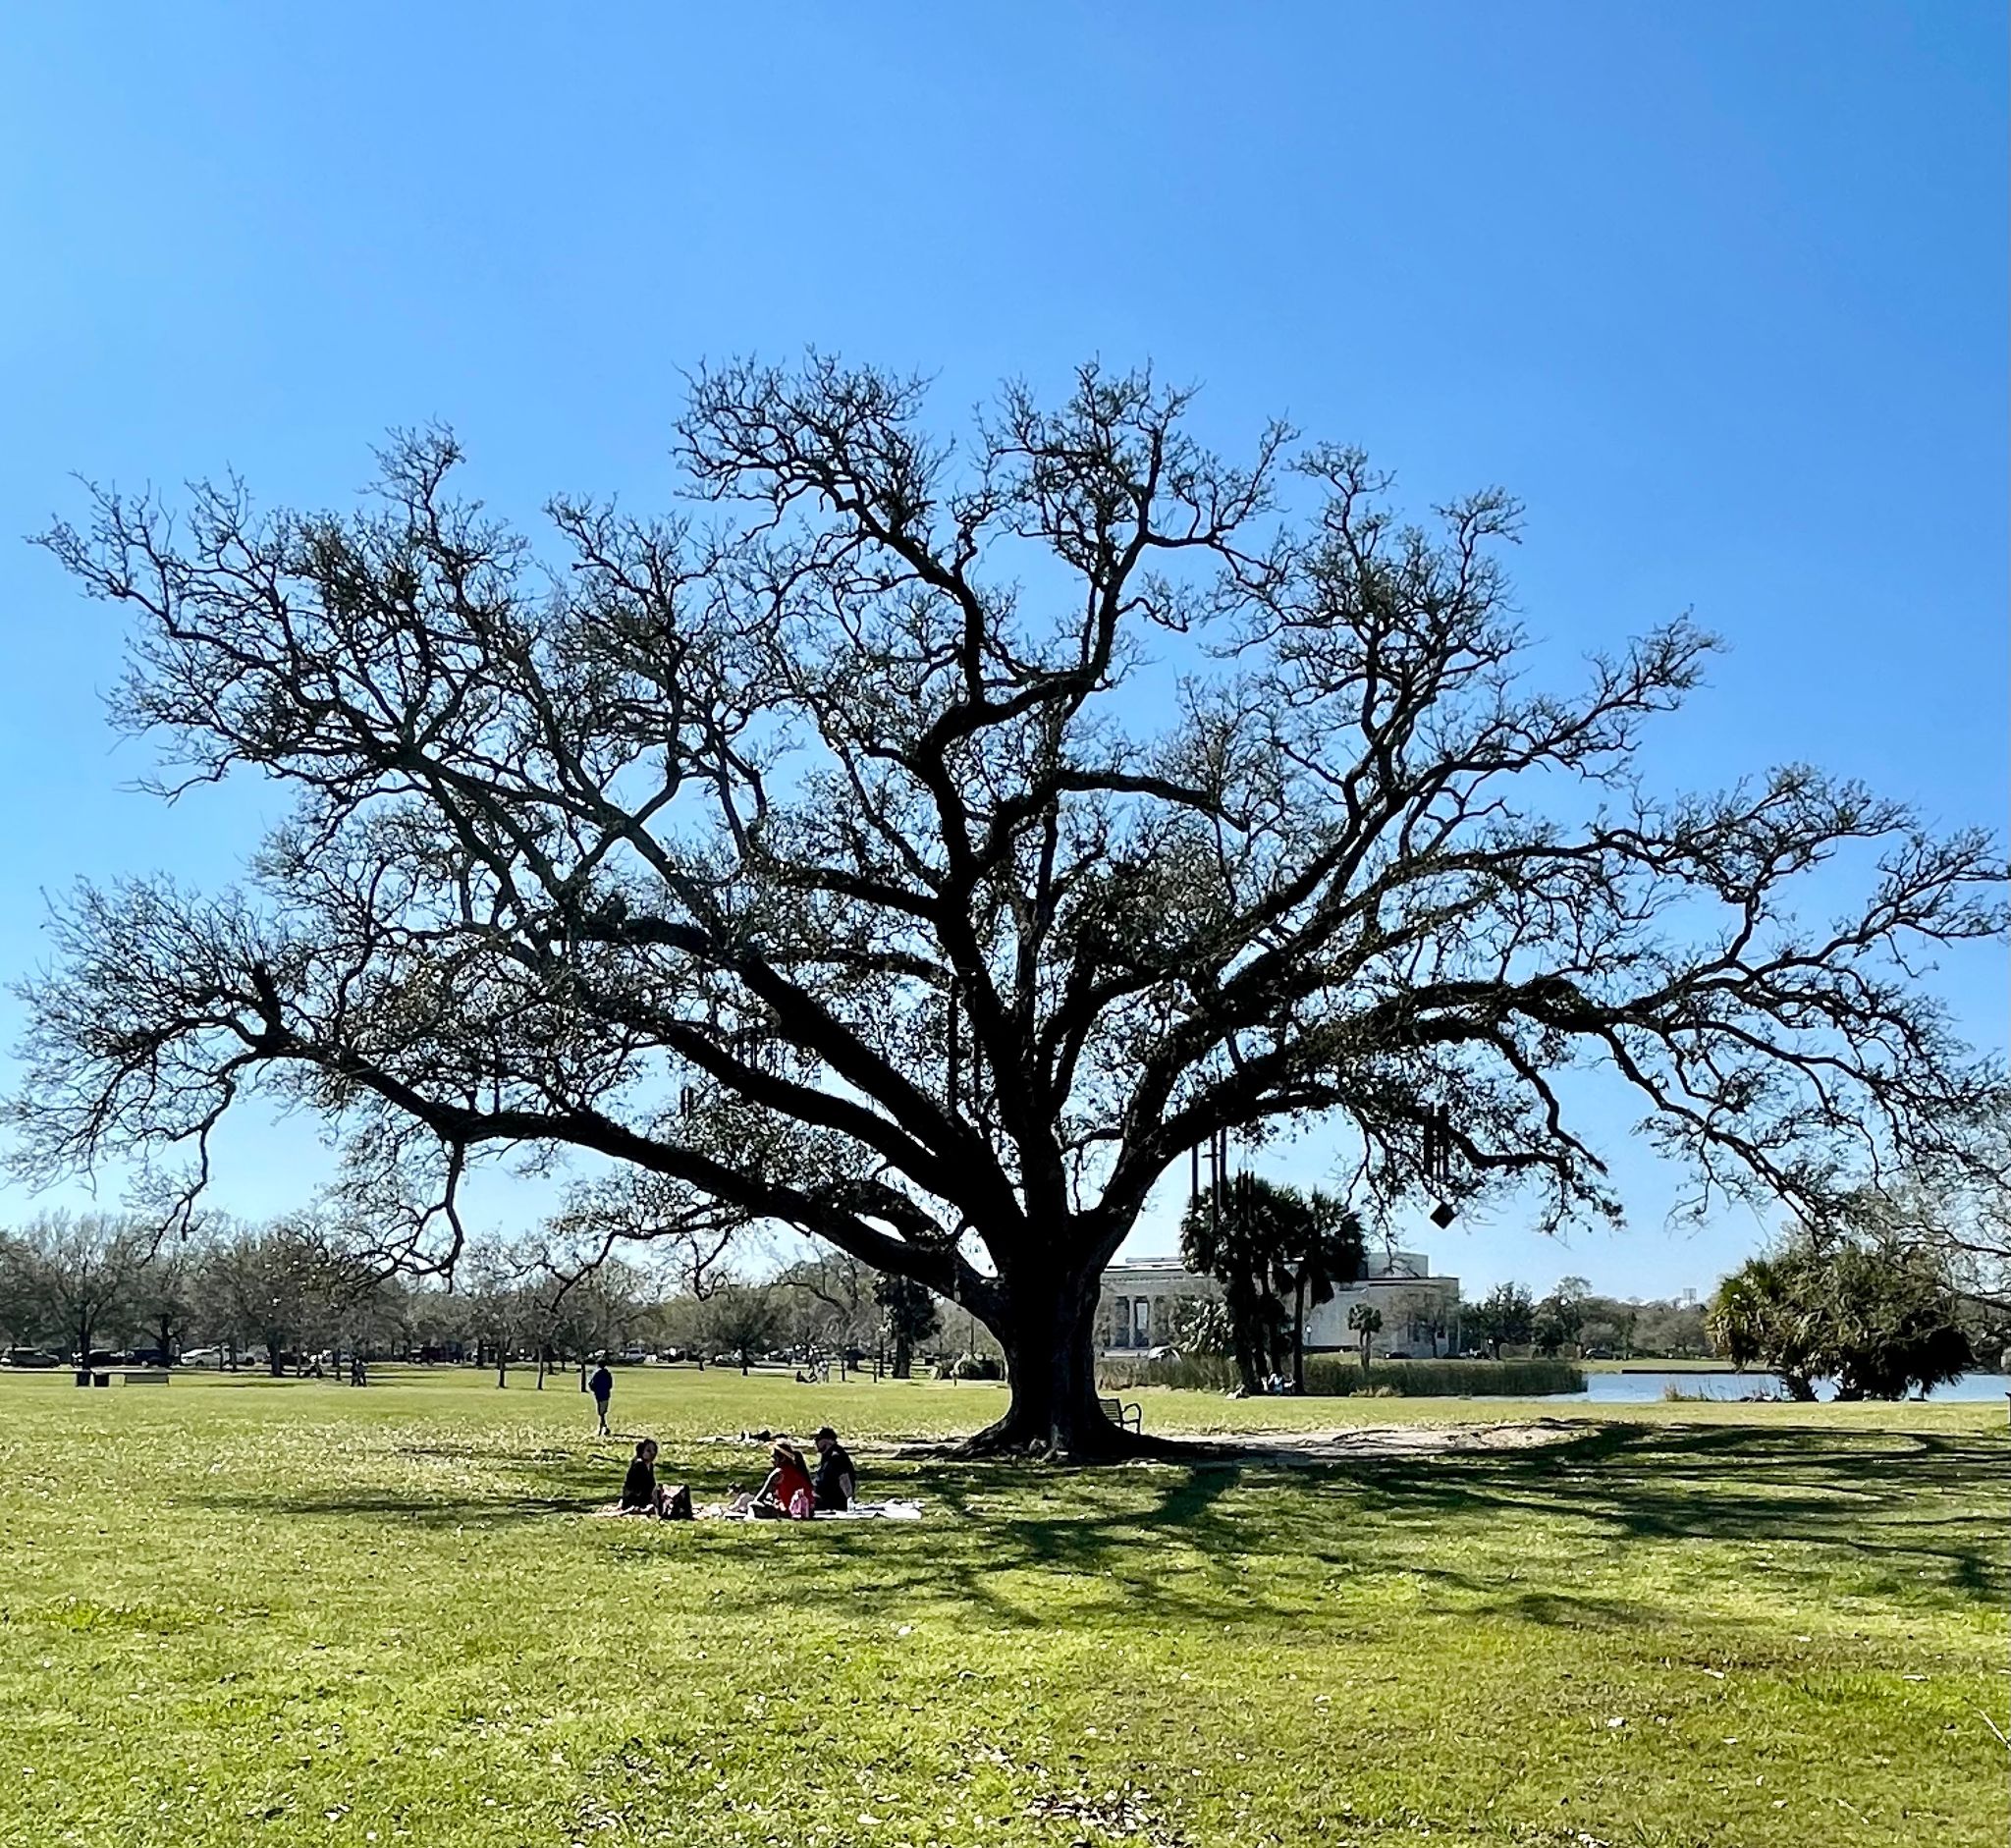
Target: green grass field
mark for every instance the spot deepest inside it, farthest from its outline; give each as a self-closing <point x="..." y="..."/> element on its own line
<point x="249" y="1611"/>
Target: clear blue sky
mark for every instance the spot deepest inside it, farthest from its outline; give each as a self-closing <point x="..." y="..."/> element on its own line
<point x="1719" y="292"/>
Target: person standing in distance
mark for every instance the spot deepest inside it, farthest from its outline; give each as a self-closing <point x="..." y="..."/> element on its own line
<point x="602" y="1387"/>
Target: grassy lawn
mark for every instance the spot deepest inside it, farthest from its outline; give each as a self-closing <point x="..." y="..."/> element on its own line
<point x="241" y="1612"/>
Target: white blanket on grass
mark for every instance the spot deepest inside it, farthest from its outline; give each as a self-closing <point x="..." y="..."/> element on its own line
<point x="858" y="1511"/>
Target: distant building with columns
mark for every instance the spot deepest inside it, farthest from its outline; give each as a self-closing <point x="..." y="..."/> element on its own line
<point x="1140" y="1307"/>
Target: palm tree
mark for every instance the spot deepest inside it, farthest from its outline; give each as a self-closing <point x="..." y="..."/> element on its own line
<point x="1332" y="1255"/>
<point x="1243" y="1235"/>
<point x="1366" y="1320"/>
<point x="1268" y="1243"/>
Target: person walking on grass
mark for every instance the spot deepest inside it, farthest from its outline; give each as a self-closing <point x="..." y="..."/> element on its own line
<point x="602" y="1387"/>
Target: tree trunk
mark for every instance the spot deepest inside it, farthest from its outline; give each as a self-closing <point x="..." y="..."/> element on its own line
<point x="903" y="1357"/>
<point x="1299" y="1334"/>
<point x="1048" y="1330"/>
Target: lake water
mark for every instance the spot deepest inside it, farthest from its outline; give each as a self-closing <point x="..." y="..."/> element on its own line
<point x="1631" y="1388"/>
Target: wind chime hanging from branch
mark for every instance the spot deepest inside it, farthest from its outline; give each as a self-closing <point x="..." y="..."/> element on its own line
<point x="1437" y="1161"/>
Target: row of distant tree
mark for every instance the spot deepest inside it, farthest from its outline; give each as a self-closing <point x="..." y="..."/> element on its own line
<point x="1871" y="1306"/>
<point x="1875" y="1316"/>
<point x="278" y="1295"/>
<point x="1573" y="1316"/>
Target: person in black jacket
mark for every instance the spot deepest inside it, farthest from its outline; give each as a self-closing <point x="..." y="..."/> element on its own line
<point x="837" y="1482"/>
<point x="602" y="1387"/>
<point x="641" y="1493"/>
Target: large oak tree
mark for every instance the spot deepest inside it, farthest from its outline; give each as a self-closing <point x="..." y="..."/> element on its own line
<point x="926" y="845"/>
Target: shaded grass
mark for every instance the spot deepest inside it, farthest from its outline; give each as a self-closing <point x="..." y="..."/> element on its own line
<point x="236" y="1613"/>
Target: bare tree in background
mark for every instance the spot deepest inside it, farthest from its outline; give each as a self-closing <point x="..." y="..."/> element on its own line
<point x="840" y="1310"/>
<point x="932" y="842"/>
<point x="740" y="1320"/>
<point x="85" y="1269"/>
<point x="1953" y="1208"/>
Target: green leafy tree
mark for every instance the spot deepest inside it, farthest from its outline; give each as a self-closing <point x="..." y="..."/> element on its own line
<point x="1329" y="1258"/>
<point x="739" y="1319"/>
<point x="1275" y="1251"/>
<point x="277" y="1288"/>
<point x="835" y="1294"/>
<point x="1560" y="1317"/>
<point x="167" y="1297"/>
<point x="796" y="859"/>
<point x="1240" y="1234"/>
<point x="1506" y="1314"/>
<point x="22" y="1306"/>
<point x="1880" y="1321"/>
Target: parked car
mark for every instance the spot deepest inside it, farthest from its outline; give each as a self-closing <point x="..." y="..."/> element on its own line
<point x="29" y="1357"/>
<point x="203" y="1357"/>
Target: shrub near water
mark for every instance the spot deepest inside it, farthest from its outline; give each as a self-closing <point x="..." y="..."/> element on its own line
<point x="1339" y="1376"/>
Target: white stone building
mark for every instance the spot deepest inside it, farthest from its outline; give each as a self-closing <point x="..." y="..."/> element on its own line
<point x="1139" y="1305"/>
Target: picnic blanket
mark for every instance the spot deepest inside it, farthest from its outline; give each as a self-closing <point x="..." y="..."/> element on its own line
<point x="872" y="1512"/>
<point x="858" y="1511"/>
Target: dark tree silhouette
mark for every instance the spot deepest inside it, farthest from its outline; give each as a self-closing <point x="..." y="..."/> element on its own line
<point x="912" y="1318"/>
<point x="1239" y="1233"/>
<point x="1270" y="1246"/>
<point x="931" y="845"/>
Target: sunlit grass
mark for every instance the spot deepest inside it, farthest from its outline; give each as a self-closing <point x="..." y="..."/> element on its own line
<point x="250" y="1612"/>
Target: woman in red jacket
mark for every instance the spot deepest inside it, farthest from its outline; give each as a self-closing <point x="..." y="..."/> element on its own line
<point x="788" y="1494"/>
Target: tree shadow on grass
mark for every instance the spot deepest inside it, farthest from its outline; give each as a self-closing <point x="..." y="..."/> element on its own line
<point x="1197" y="1543"/>
<point x="1905" y="1508"/>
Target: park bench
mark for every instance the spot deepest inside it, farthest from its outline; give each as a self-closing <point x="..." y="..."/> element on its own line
<point x="1125" y="1417"/>
<point x="143" y="1376"/>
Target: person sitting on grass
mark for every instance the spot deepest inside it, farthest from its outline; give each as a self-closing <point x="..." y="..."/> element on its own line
<point x="641" y="1493"/>
<point x="836" y="1482"/>
<point x="788" y="1494"/>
